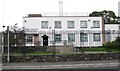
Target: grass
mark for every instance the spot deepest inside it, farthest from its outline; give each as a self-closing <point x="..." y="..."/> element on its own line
<point x="100" y="49"/>
<point x="93" y="49"/>
<point x="44" y="53"/>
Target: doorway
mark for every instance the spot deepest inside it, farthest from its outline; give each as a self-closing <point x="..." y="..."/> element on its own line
<point x="45" y="40"/>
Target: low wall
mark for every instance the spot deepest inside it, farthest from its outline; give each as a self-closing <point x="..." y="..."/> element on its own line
<point x="62" y="49"/>
<point x="68" y="57"/>
<point x="59" y="48"/>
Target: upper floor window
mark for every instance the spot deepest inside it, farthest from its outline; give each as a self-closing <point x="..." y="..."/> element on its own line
<point x="83" y="24"/>
<point x="57" y="24"/>
<point x="96" y="36"/>
<point x="44" y="24"/>
<point x="96" y="24"/>
<point x="84" y="37"/>
<point x="71" y="37"/>
<point x="70" y="24"/>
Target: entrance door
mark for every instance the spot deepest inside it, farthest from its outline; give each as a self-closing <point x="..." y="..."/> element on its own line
<point x="45" y="40"/>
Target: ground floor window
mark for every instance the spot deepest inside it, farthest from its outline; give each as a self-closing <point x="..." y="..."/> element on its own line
<point x="29" y="39"/>
<point x="71" y="37"/>
<point x="84" y="37"/>
<point x="57" y="37"/>
<point x="96" y="37"/>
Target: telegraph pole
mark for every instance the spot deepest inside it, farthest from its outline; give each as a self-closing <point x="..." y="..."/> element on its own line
<point x="3" y="40"/>
<point x="8" y="59"/>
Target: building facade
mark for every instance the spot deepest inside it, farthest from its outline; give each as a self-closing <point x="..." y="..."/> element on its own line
<point x="80" y="31"/>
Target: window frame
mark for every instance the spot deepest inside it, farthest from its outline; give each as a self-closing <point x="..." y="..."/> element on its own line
<point x="70" y="24"/>
<point x="96" y="35"/>
<point x="45" y="24"/>
<point x="29" y="39"/>
<point x="94" y="24"/>
<point x="83" y="36"/>
<point x="83" y="22"/>
<point x="56" y="24"/>
<point x="71" y="37"/>
<point x="59" y="37"/>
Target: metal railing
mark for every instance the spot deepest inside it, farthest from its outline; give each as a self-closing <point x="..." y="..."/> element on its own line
<point x="73" y="31"/>
<point x="50" y="43"/>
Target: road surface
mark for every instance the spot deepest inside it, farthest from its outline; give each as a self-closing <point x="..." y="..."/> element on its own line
<point x="98" y="64"/>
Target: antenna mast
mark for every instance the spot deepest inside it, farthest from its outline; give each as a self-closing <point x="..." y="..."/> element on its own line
<point x="60" y="8"/>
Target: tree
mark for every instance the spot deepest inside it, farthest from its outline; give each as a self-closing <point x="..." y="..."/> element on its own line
<point x="95" y="14"/>
<point x="109" y="16"/>
<point x="16" y="36"/>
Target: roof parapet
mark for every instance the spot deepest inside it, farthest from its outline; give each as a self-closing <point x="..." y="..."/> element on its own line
<point x="57" y="14"/>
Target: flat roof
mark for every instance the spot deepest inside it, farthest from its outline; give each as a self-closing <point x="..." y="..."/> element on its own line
<point x="54" y="16"/>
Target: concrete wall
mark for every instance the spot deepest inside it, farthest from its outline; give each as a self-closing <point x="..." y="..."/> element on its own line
<point x="66" y="49"/>
<point x="67" y="57"/>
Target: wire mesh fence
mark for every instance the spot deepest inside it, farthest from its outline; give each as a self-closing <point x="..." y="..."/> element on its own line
<point x="65" y="44"/>
<point x="60" y="40"/>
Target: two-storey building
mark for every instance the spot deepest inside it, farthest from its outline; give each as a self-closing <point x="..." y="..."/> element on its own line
<point x="80" y="31"/>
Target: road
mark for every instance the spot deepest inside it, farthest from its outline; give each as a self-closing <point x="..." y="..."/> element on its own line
<point x="98" y="64"/>
<point x="62" y="70"/>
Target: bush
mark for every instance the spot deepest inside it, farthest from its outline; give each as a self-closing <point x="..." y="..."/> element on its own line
<point x="114" y="45"/>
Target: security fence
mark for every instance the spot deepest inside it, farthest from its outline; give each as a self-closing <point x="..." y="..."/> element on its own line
<point x="75" y="38"/>
<point x="59" y="42"/>
<point x="57" y="38"/>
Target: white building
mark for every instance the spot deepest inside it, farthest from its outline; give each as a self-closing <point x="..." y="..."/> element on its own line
<point x="112" y="31"/>
<point x="80" y="31"/>
<point x="119" y="8"/>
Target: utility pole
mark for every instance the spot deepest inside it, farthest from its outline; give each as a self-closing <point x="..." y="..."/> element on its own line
<point x="3" y="40"/>
<point x="8" y="59"/>
<point x="53" y="40"/>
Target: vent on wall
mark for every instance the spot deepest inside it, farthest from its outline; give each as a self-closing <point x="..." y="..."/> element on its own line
<point x="25" y="21"/>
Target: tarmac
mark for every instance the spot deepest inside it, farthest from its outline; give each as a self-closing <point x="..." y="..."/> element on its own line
<point x="96" y="64"/>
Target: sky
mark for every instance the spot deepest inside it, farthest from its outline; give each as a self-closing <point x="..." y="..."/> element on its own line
<point x="12" y="11"/>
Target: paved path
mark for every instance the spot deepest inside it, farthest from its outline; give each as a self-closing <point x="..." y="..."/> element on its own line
<point x="104" y="64"/>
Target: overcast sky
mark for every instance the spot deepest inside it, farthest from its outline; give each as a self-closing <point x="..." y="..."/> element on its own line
<point x="14" y="10"/>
